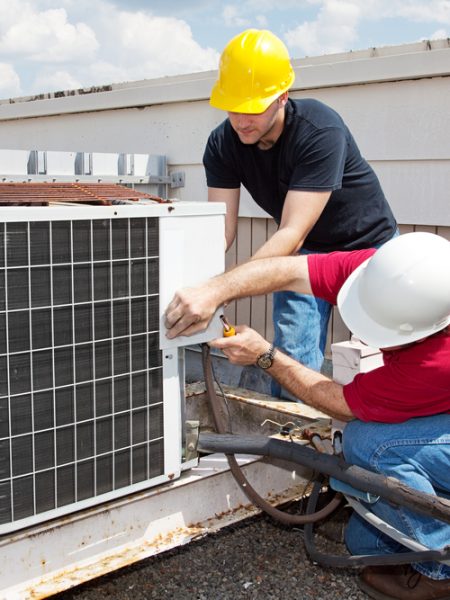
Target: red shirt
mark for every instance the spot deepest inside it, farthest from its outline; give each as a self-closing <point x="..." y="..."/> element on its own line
<point x="413" y="382"/>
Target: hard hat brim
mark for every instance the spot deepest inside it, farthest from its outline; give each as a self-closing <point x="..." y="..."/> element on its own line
<point x="253" y="106"/>
<point x="361" y="324"/>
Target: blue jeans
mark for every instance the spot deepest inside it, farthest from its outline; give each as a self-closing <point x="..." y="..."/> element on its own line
<point x="417" y="452"/>
<point x="301" y="326"/>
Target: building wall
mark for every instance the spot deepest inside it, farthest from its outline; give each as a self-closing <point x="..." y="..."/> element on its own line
<point x="394" y="100"/>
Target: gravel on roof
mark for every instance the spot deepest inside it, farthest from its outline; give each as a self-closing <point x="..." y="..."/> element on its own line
<point x="254" y="559"/>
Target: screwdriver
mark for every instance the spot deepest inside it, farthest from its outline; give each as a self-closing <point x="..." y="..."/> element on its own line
<point x="228" y="330"/>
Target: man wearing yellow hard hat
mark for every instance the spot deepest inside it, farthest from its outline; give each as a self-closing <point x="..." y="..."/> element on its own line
<point x="300" y="163"/>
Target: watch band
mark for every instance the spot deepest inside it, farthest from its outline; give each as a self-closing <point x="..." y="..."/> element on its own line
<point x="265" y="360"/>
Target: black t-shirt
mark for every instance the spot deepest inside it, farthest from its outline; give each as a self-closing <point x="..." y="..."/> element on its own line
<point x="315" y="152"/>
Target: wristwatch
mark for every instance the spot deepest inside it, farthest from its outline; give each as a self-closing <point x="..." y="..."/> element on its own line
<point x="265" y="360"/>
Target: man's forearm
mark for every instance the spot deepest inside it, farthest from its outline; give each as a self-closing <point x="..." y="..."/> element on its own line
<point x="258" y="277"/>
<point x="282" y="243"/>
<point x="311" y="387"/>
<point x="191" y="309"/>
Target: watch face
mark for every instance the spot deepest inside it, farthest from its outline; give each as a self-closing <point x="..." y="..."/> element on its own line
<point x="265" y="361"/>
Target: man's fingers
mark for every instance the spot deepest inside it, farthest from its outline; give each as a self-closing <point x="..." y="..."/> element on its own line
<point x="179" y="314"/>
<point x="221" y="343"/>
<point x="186" y="326"/>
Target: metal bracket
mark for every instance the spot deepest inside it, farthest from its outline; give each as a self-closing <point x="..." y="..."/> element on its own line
<point x="192" y="433"/>
<point x="174" y="180"/>
<point x="177" y="179"/>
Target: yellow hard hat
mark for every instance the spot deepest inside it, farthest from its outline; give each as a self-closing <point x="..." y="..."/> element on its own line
<point x="254" y="70"/>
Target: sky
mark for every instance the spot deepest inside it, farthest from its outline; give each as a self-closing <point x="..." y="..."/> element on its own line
<point x="52" y="45"/>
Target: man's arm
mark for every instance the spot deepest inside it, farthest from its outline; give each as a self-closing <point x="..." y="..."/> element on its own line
<point x="231" y="198"/>
<point x="192" y="308"/>
<point x="311" y="387"/>
<point x="300" y="213"/>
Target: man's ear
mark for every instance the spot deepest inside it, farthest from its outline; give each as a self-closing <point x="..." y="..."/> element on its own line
<point x="283" y="99"/>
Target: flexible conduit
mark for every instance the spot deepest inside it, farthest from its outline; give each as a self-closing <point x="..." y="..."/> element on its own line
<point x="386" y="487"/>
<point x="332" y="560"/>
<point x="220" y="423"/>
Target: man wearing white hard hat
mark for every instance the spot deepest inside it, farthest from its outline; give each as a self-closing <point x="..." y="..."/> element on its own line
<point x="396" y="298"/>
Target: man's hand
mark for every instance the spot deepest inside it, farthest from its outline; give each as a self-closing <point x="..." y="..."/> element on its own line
<point x="242" y="348"/>
<point x="190" y="311"/>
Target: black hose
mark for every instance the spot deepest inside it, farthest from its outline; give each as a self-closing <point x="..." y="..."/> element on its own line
<point x="332" y="560"/>
<point x="388" y="488"/>
<point x="249" y="491"/>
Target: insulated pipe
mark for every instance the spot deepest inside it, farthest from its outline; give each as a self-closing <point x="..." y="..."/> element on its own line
<point x="388" y="488"/>
<point x="220" y="422"/>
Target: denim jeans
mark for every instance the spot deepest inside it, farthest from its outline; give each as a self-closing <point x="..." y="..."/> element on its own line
<point x="417" y="452"/>
<point x="301" y="327"/>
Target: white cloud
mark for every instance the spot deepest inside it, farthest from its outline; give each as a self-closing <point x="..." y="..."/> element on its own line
<point x="95" y="47"/>
<point x="55" y="81"/>
<point x="412" y="10"/>
<point x="334" y="30"/>
<point x="48" y="37"/>
<point x="264" y="6"/>
<point x="9" y="81"/>
<point x="232" y="17"/>
<point x="434" y="10"/>
<point x="439" y="35"/>
<point x="262" y="21"/>
<point x="156" y="46"/>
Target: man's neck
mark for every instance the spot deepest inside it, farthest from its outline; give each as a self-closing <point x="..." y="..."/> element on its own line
<point x="269" y="140"/>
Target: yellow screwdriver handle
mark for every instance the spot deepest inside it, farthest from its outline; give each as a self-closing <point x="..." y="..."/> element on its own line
<point x="228" y="330"/>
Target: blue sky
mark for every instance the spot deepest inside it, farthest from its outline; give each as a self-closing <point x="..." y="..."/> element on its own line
<point x="50" y="45"/>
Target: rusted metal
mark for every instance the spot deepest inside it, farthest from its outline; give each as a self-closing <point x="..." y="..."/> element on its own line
<point x="253" y="412"/>
<point x="63" y="553"/>
<point x="45" y="193"/>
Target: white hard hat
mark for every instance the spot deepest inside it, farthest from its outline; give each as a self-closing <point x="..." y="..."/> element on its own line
<point x="401" y="294"/>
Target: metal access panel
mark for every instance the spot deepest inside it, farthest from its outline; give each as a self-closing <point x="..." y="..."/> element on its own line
<point x="90" y="405"/>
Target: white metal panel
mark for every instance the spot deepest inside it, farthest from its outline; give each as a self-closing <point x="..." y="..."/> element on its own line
<point x="192" y="251"/>
<point x="141" y="164"/>
<point x="359" y="67"/>
<point x="60" y="163"/>
<point x="14" y="162"/>
<point x="418" y="191"/>
<point x="105" y="163"/>
<point x="406" y="120"/>
<point x="173" y="391"/>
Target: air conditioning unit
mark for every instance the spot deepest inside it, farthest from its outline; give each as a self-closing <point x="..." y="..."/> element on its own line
<point x="91" y="390"/>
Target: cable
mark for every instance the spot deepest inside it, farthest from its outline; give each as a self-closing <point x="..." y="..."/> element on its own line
<point x="387" y="529"/>
<point x="388" y="488"/>
<point x="332" y="560"/>
<point x="249" y="491"/>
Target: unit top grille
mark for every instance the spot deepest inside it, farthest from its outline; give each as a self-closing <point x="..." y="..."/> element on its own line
<point x="45" y="193"/>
